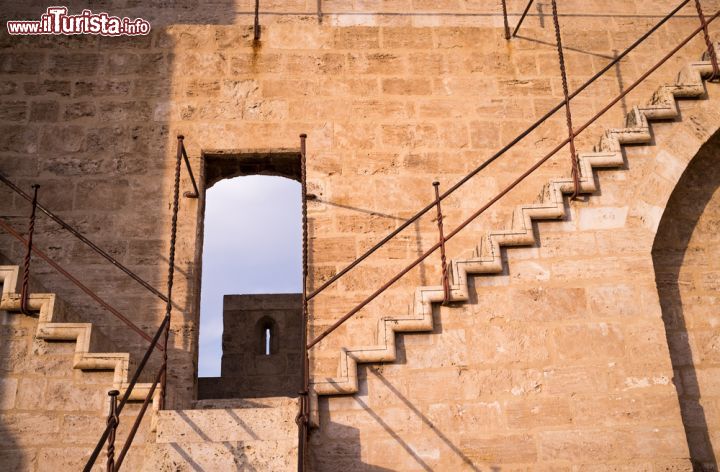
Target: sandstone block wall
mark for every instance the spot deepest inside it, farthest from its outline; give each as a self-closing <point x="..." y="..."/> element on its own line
<point x="393" y="96"/>
<point x="685" y="256"/>
<point x="52" y="415"/>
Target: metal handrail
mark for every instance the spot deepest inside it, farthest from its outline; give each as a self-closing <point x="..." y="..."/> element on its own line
<point x="507" y="189"/>
<point x="164" y="330"/>
<point x="495" y="156"/>
<point x="141" y="414"/>
<point x="126" y="396"/>
<point x="15" y="234"/>
<point x="82" y="238"/>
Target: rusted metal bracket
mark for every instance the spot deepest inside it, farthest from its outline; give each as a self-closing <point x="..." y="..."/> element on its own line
<point x="182" y="152"/>
<point x="522" y="18"/>
<point x="256" y="24"/>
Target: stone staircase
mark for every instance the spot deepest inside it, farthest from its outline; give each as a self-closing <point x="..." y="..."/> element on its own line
<point x="226" y="435"/>
<point x="91" y="346"/>
<point x="262" y="434"/>
<point x="252" y="434"/>
<point x="486" y="259"/>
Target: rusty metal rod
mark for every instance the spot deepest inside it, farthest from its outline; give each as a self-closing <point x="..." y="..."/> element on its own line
<point x="256" y="24"/>
<point x="171" y="257"/>
<point x="12" y="232"/>
<point x="112" y="421"/>
<point x="126" y="395"/>
<point x="708" y="43"/>
<point x="568" y="113"/>
<point x="522" y="18"/>
<point x="138" y="420"/>
<point x="443" y="259"/>
<point x="505" y="19"/>
<point x="25" y="290"/>
<point x="82" y="238"/>
<point x="195" y="193"/>
<point x="507" y="189"/>
<point x="303" y="415"/>
<point x="495" y="156"/>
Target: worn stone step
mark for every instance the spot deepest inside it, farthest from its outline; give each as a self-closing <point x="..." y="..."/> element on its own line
<point x="276" y="456"/>
<point x="265" y="402"/>
<point x="227" y="424"/>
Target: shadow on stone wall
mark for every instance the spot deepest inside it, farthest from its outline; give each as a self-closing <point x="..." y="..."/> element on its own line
<point x="88" y="118"/>
<point x="683" y="250"/>
<point x="336" y="444"/>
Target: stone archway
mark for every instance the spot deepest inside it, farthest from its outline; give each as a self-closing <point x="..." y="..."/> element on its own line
<point x="686" y="257"/>
<point x="248" y="237"/>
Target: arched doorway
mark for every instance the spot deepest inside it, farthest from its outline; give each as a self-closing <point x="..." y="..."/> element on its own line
<point x="251" y="278"/>
<point x="686" y="256"/>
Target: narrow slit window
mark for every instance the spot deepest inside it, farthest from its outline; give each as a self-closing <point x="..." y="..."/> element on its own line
<point x="267" y="341"/>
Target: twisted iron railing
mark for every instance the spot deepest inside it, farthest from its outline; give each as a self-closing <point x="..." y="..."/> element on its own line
<point x="572" y="133"/>
<point x="163" y="331"/>
<point x="113" y="421"/>
<point x="116" y="408"/>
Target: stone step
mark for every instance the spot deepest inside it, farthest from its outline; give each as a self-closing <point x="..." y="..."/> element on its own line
<point x="276" y="456"/>
<point x="227" y="425"/>
<point x="264" y="402"/>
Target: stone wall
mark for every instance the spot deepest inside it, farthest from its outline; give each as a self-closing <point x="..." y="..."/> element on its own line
<point x="685" y="256"/>
<point x="558" y="363"/>
<point x="391" y="102"/>
<point x="246" y="370"/>
<point x="52" y="415"/>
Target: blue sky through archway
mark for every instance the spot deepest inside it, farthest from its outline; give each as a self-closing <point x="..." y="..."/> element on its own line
<point x="252" y="244"/>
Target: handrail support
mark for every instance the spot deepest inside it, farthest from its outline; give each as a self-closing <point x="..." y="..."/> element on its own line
<point x="256" y="23"/>
<point x="303" y="417"/>
<point x="443" y="259"/>
<point x="708" y="42"/>
<point x="113" y="420"/>
<point x="25" y="290"/>
<point x="522" y="18"/>
<point x="505" y="19"/>
<point x="568" y="114"/>
<point x="195" y="193"/>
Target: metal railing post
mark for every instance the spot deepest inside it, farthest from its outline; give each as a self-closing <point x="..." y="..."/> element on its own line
<point x="303" y="416"/>
<point x="171" y="264"/>
<point x="708" y="42"/>
<point x="443" y="260"/>
<point x="568" y="113"/>
<point x="505" y="19"/>
<point x="113" y="422"/>
<point x="256" y="24"/>
<point x="500" y="153"/>
<point x="25" y="291"/>
<point x="339" y="322"/>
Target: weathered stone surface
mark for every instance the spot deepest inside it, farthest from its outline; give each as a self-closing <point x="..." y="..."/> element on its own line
<point x="391" y="102"/>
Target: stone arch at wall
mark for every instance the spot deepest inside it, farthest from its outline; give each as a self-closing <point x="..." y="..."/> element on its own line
<point x="686" y="257"/>
<point x="246" y="369"/>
